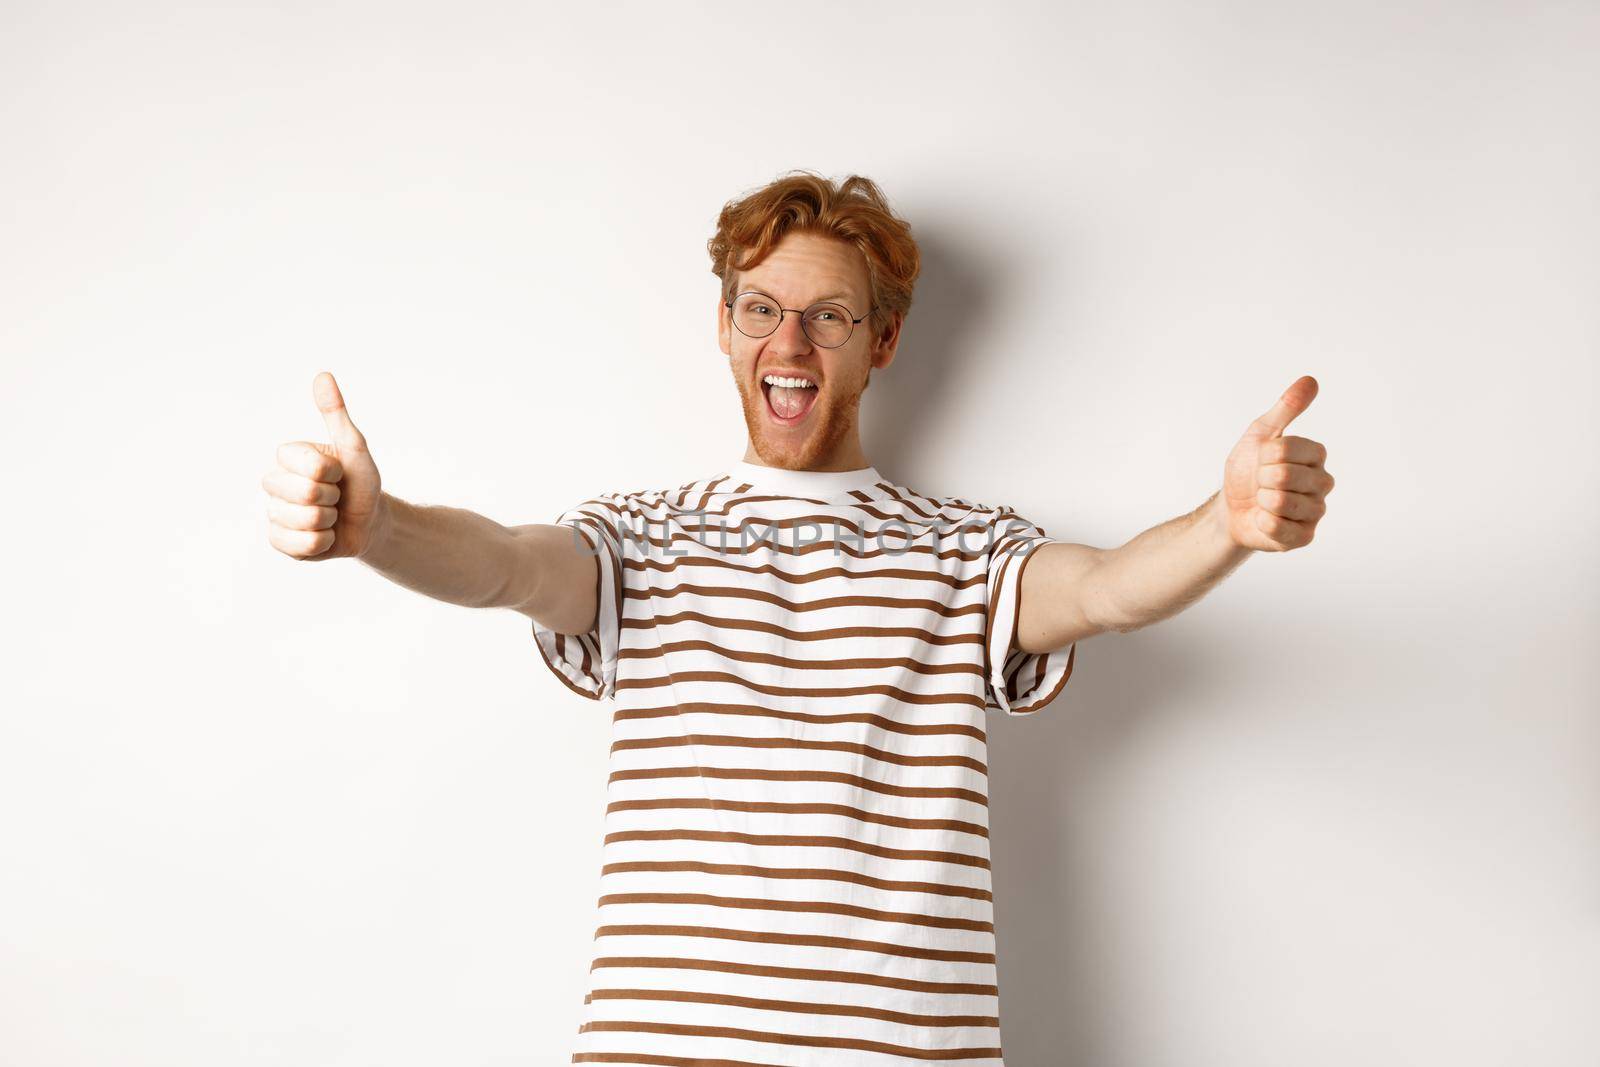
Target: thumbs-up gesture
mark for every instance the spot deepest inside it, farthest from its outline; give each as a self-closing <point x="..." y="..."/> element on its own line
<point x="324" y="501"/>
<point x="1274" y="488"/>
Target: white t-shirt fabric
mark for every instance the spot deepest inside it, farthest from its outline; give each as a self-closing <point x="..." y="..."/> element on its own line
<point x="796" y="860"/>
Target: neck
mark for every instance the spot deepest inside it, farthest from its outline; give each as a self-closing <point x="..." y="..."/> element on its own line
<point x="844" y="459"/>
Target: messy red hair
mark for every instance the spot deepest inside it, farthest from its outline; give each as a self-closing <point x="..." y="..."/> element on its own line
<point x="854" y="210"/>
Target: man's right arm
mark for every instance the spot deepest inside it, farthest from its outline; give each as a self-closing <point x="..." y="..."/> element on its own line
<point x="542" y="570"/>
<point x="326" y="501"/>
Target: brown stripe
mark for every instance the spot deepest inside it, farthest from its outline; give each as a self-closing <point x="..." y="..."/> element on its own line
<point x="803" y="907"/>
<point x="652" y="1060"/>
<point x="1029" y="709"/>
<point x="629" y="1026"/>
<point x="751" y="497"/>
<point x="891" y="725"/>
<point x="794" y="743"/>
<point x="559" y="673"/>
<point x="988" y="633"/>
<point x="711" y="488"/>
<point x="914" y="521"/>
<point x="939" y="503"/>
<point x="803" y="635"/>
<point x="1016" y="603"/>
<point x="902" y="695"/>
<point x="841" y="546"/>
<point x="776" y="807"/>
<point x="908" y="663"/>
<point x="805" y="1007"/>
<point x="761" y="596"/>
<point x="764" y="774"/>
<point x="638" y="522"/>
<point x="644" y="503"/>
<point x="821" y="874"/>
<point x="845" y="844"/>
<point x="635" y="523"/>
<point x="904" y="574"/>
<point x="765" y="937"/>
<point x="803" y="974"/>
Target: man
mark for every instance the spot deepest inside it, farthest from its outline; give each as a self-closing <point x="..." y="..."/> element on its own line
<point x="801" y="654"/>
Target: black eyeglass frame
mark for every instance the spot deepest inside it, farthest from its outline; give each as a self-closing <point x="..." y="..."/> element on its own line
<point x="854" y="322"/>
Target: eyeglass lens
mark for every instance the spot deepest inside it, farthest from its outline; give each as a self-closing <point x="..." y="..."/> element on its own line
<point x="828" y="325"/>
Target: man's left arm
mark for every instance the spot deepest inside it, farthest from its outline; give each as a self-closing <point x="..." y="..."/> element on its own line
<point x="1274" y="492"/>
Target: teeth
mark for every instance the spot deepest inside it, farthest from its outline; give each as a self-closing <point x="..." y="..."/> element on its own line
<point x="791" y="383"/>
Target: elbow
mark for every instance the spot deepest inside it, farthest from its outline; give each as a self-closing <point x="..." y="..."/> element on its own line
<point x="519" y="588"/>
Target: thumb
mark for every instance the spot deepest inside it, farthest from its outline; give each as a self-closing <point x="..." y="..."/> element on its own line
<point x="330" y="402"/>
<point x="1294" y="400"/>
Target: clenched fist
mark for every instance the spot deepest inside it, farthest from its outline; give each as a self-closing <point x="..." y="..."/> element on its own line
<point x="324" y="501"/>
<point x="1274" y="488"/>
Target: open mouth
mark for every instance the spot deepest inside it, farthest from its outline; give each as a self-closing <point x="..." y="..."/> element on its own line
<point x="789" y="398"/>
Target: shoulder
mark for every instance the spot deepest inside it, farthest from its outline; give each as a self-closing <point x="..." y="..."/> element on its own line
<point x="961" y="510"/>
<point x="621" y="503"/>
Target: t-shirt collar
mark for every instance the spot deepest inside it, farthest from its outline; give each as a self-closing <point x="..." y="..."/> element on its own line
<point x="802" y="483"/>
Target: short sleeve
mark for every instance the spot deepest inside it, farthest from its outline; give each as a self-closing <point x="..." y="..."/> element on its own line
<point x="587" y="662"/>
<point x="1017" y="682"/>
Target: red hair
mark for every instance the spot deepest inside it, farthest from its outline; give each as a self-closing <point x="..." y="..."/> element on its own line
<point x="854" y="211"/>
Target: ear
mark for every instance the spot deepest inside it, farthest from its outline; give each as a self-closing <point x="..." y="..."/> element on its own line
<point x="887" y="341"/>
<point x="724" y="327"/>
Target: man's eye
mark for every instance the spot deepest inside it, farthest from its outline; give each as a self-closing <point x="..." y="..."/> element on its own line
<point x="819" y="314"/>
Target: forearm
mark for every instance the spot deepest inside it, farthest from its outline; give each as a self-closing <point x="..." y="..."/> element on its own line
<point x="454" y="555"/>
<point x="1163" y="570"/>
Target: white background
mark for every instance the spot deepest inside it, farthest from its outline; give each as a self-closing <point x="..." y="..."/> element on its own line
<point x="1344" y="810"/>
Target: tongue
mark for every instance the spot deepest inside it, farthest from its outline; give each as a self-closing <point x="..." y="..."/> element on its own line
<point x="789" y="402"/>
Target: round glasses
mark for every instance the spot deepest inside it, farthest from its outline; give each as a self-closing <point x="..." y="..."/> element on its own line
<point x="828" y="325"/>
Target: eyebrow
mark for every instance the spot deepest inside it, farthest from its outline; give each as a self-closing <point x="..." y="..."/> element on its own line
<point x="834" y="297"/>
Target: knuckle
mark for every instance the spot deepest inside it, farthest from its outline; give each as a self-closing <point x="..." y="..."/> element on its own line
<point x="282" y="540"/>
<point x="291" y="455"/>
<point x="291" y="516"/>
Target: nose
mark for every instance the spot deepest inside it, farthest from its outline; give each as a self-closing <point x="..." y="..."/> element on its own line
<point x="790" y="336"/>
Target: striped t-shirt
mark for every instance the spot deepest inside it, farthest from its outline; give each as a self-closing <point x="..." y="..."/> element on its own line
<point x="796" y="859"/>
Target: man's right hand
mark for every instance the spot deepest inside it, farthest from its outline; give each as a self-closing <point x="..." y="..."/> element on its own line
<point x="325" y="501"/>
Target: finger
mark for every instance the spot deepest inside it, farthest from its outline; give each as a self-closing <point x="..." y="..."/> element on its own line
<point x="310" y="461"/>
<point x="301" y="544"/>
<point x="1285" y="532"/>
<point x="1296" y="506"/>
<point x="331" y="403"/>
<point x="1293" y="450"/>
<point x="301" y="516"/>
<point x="1294" y="477"/>
<point x="298" y="489"/>
<point x="1294" y="400"/>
